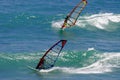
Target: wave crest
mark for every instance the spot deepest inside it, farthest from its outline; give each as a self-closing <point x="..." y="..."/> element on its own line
<point x="103" y="21"/>
<point x="108" y="63"/>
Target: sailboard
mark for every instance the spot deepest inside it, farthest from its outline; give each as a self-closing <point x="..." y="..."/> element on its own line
<point x="50" y="57"/>
<point x="32" y="68"/>
<point x="72" y="17"/>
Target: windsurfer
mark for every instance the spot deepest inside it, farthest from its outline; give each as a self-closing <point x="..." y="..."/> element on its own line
<point x="72" y="17"/>
<point x="41" y="64"/>
<point x="85" y="2"/>
<point x="65" y="22"/>
<point x="48" y="61"/>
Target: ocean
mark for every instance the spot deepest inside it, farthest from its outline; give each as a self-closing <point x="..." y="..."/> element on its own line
<point x="29" y="28"/>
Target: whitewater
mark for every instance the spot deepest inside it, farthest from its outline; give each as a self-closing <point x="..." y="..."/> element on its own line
<point x="103" y="21"/>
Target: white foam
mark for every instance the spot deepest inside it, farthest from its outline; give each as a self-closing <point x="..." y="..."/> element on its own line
<point x="90" y="49"/>
<point x="49" y="70"/>
<point x="57" y="24"/>
<point x="107" y="63"/>
<point x="99" y="21"/>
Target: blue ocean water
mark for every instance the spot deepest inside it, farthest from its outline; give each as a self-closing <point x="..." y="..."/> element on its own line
<point x="29" y="28"/>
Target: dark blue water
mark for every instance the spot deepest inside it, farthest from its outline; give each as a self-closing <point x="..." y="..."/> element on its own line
<point x="29" y="28"/>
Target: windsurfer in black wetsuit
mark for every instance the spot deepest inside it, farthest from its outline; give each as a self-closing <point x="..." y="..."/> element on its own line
<point x="65" y="22"/>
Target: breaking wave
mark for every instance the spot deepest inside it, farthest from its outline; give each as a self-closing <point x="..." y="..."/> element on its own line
<point x="109" y="62"/>
<point x="72" y="62"/>
<point x="103" y="21"/>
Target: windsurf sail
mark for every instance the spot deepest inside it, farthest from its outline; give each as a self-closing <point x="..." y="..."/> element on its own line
<point x="50" y="57"/>
<point x="72" y="17"/>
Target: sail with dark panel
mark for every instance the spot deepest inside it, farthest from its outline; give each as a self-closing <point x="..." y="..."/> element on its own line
<point x="50" y="57"/>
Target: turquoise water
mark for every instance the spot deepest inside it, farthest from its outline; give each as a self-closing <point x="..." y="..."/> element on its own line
<point x="29" y="28"/>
